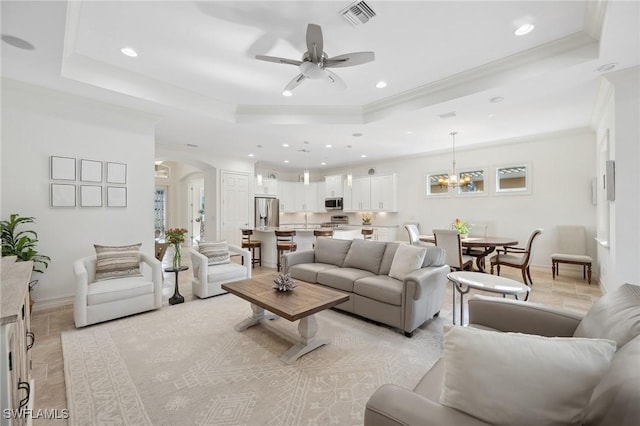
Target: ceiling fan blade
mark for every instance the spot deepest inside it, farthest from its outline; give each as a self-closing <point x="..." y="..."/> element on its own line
<point x="278" y="60"/>
<point x="314" y="42"/>
<point x="349" y="59"/>
<point x="335" y="81"/>
<point x="294" y="83"/>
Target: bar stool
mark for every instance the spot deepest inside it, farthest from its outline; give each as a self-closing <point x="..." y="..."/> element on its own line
<point x="252" y="245"/>
<point x="322" y="233"/>
<point x="367" y="234"/>
<point x="285" y="243"/>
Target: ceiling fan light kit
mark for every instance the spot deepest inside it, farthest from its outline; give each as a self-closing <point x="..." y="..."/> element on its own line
<point x="315" y="62"/>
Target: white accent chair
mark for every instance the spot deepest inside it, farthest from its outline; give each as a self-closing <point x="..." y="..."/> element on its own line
<point x="208" y="279"/>
<point x="98" y="301"/>
<point x="572" y="249"/>
<point x="449" y="240"/>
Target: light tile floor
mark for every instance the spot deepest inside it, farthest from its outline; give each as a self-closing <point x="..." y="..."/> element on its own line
<point x="567" y="292"/>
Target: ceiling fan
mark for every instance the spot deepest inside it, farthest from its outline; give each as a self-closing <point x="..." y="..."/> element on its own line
<point x="315" y="62"/>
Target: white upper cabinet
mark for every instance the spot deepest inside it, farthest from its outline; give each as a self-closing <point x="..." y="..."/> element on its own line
<point x="286" y="196"/>
<point x="383" y="193"/>
<point x="333" y="186"/>
<point x="268" y="187"/>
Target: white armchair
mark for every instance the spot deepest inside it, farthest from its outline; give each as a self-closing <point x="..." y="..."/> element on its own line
<point x="208" y="279"/>
<point x="98" y="301"/>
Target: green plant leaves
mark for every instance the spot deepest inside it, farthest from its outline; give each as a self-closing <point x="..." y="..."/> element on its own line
<point x="22" y="244"/>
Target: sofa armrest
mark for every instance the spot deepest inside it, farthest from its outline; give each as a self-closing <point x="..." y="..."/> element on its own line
<point x="156" y="277"/>
<point x="417" y="282"/>
<point x="297" y="257"/>
<point x="393" y="405"/>
<point x="199" y="262"/>
<point x="509" y="315"/>
<point x="82" y="288"/>
<point x="246" y="257"/>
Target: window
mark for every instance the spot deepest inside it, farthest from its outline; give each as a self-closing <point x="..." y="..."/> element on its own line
<point x="471" y="182"/>
<point x="437" y="184"/>
<point x="513" y="179"/>
<point x="159" y="211"/>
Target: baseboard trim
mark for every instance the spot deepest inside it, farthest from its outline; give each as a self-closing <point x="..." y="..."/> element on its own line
<point x="52" y="304"/>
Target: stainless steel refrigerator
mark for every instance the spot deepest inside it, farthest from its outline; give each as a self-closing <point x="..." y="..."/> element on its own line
<point x="267" y="212"/>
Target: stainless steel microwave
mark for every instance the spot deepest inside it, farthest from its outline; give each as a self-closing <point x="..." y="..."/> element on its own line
<point x="333" y="203"/>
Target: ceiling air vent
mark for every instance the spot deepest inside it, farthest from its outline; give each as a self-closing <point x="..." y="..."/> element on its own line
<point x="358" y="13"/>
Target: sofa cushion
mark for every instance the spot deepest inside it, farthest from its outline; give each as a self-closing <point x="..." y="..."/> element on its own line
<point x="365" y="254"/>
<point x="226" y="272"/>
<point x="217" y="252"/>
<point x="117" y="289"/>
<point x="382" y="288"/>
<point x="341" y="278"/>
<point x="560" y="374"/>
<point x="387" y="258"/>
<point x="308" y="271"/>
<point x="616" y="399"/>
<point x="117" y="261"/>
<point x="615" y="316"/>
<point x="407" y="259"/>
<point x="435" y="256"/>
<point x="331" y="251"/>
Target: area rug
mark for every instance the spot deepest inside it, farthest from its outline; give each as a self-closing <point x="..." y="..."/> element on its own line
<point x="185" y="364"/>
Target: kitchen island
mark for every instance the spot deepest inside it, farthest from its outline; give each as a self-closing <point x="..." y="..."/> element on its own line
<point x="305" y="238"/>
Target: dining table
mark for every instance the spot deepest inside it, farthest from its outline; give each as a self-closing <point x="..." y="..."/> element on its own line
<point x="485" y="246"/>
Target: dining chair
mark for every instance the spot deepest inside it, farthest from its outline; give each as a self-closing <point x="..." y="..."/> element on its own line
<point x="414" y="234"/>
<point x="449" y="240"/>
<point x="517" y="257"/>
<point x="477" y="230"/>
<point x="572" y="250"/>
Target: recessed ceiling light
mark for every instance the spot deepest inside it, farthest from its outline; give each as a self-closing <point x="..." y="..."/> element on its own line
<point x="496" y="99"/>
<point x="363" y="156"/>
<point x="128" y="51"/>
<point x="447" y="115"/>
<point x="490" y="115"/>
<point x="606" y="67"/>
<point x="381" y="84"/>
<point x="192" y="145"/>
<point x="408" y="132"/>
<point x="524" y="29"/>
<point x="323" y="164"/>
<point x="287" y="93"/>
<point x="250" y="155"/>
<point x="285" y="145"/>
<point x="327" y="146"/>
<point x="356" y="135"/>
<point x="285" y="161"/>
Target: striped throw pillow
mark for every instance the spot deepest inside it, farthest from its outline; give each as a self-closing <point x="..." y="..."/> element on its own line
<point x="117" y="261"/>
<point x="217" y="252"/>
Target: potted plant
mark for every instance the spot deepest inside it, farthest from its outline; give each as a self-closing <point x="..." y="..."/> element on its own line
<point x="461" y="227"/>
<point x="22" y="244"/>
<point x="366" y="219"/>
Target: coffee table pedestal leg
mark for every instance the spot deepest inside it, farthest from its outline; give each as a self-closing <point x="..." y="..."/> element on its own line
<point x="308" y="327"/>
<point x="257" y="316"/>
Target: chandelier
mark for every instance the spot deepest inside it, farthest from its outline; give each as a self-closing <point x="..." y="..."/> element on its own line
<point x="452" y="180"/>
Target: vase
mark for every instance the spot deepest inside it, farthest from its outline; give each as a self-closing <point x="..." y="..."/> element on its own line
<point x="464" y="236"/>
<point x="177" y="256"/>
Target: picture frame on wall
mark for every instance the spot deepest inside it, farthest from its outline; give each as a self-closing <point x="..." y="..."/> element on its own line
<point x="90" y="171"/>
<point x="90" y="196"/>
<point x="116" y="196"/>
<point x="63" y="195"/>
<point x="62" y="168"/>
<point x="116" y="173"/>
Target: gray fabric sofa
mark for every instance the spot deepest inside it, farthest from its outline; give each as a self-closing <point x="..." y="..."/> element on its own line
<point x="615" y="399"/>
<point x="361" y="269"/>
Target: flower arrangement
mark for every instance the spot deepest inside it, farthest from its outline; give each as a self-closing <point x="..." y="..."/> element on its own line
<point x="175" y="236"/>
<point x="366" y="219"/>
<point x="284" y="283"/>
<point x="460" y="226"/>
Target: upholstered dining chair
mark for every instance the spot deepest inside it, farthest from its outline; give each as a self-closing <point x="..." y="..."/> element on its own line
<point x="414" y="233"/>
<point x="517" y="257"/>
<point x="572" y="249"/>
<point x="449" y="240"/>
<point x="477" y="230"/>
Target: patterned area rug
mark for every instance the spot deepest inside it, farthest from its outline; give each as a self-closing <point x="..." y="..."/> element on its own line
<point x="185" y="364"/>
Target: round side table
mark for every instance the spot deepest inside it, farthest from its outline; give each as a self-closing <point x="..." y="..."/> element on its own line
<point x="177" y="297"/>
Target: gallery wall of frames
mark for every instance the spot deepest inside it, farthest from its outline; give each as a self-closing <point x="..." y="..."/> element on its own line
<point x="87" y="183"/>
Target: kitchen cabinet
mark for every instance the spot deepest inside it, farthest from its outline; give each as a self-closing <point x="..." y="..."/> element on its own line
<point x="286" y="197"/>
<point x="334" y="186"/>
<point x="306" y="197"/>
<point x="16" y="340"/>
<point x="372" y="194"/>
<point x="268" y="187"/>
<point x="384" y="234"/>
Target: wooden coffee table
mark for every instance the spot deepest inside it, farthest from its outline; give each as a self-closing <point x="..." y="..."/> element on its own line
<point x="300" y="304"/>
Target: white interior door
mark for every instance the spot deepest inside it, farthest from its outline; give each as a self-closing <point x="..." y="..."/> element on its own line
<point x="196" y="210"/>
<point x="235" y="205"/>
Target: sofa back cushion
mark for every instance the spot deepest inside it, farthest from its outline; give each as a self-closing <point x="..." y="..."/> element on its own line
<point x="387" y="258"/>
<point x="435" y="256"/>
<point x="615" y="316"/>
<point x="614" y="400"/>
<point x="366" y="255"/>
<point x="331" y="250"/>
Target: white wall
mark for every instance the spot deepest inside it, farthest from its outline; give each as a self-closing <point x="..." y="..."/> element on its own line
<point x="38" y="123"/>
<point x="562" y="166"/>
